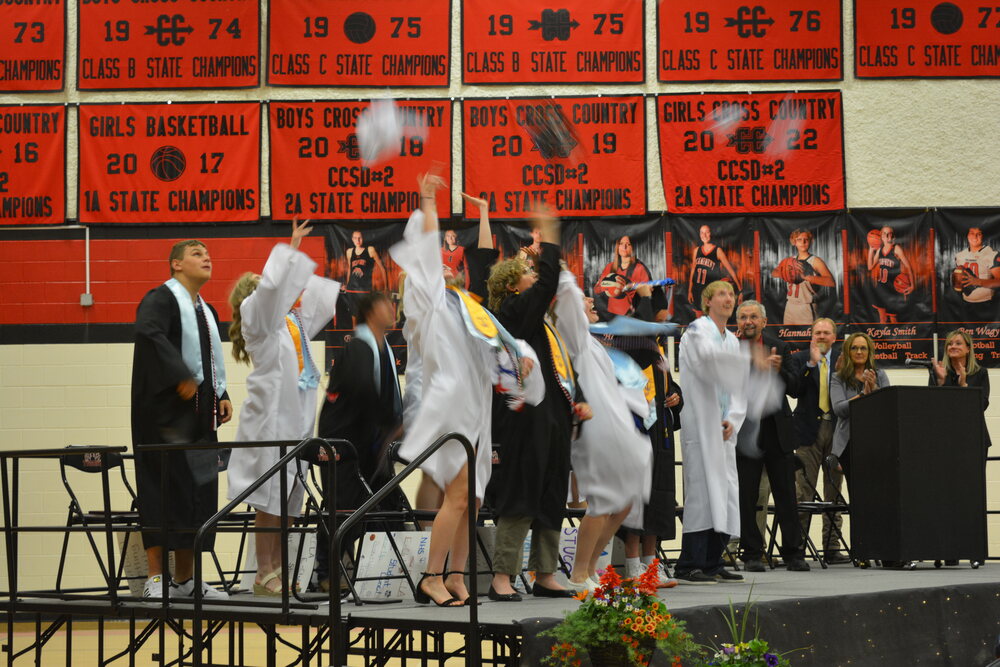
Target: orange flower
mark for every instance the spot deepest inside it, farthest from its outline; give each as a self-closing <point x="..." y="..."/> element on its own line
<point x="582" y="595"/>
<point x="627" y="621"/>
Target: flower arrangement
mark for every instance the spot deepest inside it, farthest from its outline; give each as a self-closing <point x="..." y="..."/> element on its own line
<point x="748" y="653"/>
<point x="622" y="621"/>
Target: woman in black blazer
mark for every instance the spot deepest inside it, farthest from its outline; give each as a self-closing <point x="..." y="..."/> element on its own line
<point x="960" y="369"/>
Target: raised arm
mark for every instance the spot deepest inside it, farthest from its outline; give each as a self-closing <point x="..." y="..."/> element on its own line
<point x="429" y="184"/>
<point x="485" y="237"/>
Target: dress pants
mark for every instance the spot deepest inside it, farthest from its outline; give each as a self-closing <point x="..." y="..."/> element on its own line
<point x="701" y="551"/>
<point x="508" y="548"/>
<point x="812" y="458"/>
<point x="781" y="473"/>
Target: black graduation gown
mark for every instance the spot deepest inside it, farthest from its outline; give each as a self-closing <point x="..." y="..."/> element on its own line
<point x="159" y="415"/>
<point x="532" y="478"/>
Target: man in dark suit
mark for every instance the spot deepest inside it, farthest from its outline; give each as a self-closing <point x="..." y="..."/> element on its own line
<point x="768" y="443"/>
<point x="815" y="423"/>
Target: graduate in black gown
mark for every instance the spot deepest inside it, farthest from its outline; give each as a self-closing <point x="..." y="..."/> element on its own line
<point x="178" y="396"/>
<point x="529" y="486"/>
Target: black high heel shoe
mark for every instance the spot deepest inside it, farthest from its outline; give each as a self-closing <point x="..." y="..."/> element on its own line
<point x="467" y="601"/>
<point x="421" y="597"/>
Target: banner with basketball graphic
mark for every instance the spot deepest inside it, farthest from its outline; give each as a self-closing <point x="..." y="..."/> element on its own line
<point x="576" y="41"/>
<point x="927" y="39"/>
<point x="169" y="163"/>
<point x="33" y="164"/>
<point x="760" y="152"/>
<point x="889" y="263"/>
<point x="156" y="45"/>
<point x="801" y="272"/>
<point x="733" y="40"/>
<point x="709" y="248"/>
<point x="34" y="39"/>
<point x="580" y="156"/>
<point x="375" y="43"/>
<point x="316" y="163"/>
<point x="968" y="278"/>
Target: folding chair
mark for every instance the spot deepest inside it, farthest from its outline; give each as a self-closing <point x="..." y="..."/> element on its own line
<point x="91" y="463"/>
<point x="816" y="507"/>
<point x="349" y="474"/>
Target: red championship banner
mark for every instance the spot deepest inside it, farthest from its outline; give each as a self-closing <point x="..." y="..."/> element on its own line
<point x="131" y="45"/>
<point x="580" y="156"/>
<point x="926" y="38"/>
<point x="736" y="40"/>
<point x="316" y="168"/>
<point x="372" y="43"/>
<point x="577" y="41"/>
<point x="169" y="163"/>
<point x="33" y="39"/>
<point x="742" y="153"/>
<point x="32" y="164"/>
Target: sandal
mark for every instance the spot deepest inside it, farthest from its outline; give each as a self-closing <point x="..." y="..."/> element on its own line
<point x="464" y="601"/>
<point x="261" y="589"/>
<point x="420" y="596"/>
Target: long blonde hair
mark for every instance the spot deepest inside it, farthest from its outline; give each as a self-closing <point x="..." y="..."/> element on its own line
<point x="243" y="288"/>
<point x="845" y="365"/>
<point x="504" y="275"/>
<point x="971" y="365"/>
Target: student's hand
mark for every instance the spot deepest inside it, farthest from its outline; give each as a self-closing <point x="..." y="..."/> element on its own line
<point x="672" y="400"/>
<point x="186" y="389"/>
<point x="481" y="204"/>
<point x="727" y="429"/>
<point x="583" y="411"/>
<point x="299" y="232"/>
<point x="225" y="411"/>
<point x="430" y="183"/>
<point x="527" y="365"/>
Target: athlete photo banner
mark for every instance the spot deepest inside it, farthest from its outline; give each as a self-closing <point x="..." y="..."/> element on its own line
<point x="169" y="163"/>
<point x="573" y="41"/>
<point x="706" y="249"/>
<point x="373" y="43"/>
<point x="162" y="45"/>
<point x="968" y="278"/>
<point x="890" y="272"/>
<point x="316" y="167"/>
<point x="736" y="40"/>
<point x="801" y="272"/>
<point x="580" y="156"/>
<point x="764" y="152"/>
<point x="926" y="39"/>
<point x="358" y="257"/>
<point x="619" y="253"/>
<point x="33" y="164"/>
<point x="33" y="52"/>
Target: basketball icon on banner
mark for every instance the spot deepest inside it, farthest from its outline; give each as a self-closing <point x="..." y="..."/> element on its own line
<point x="946" y="18"/>
<point x="359" y="27"/>
<point x="167" y="163"/>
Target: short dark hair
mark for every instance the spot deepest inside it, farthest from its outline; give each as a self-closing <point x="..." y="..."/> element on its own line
<point x="177" y="252"/>
<point x="367" y="303"/>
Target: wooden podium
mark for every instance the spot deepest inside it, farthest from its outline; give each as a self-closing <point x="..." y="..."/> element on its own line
<point x="918" y="475"/>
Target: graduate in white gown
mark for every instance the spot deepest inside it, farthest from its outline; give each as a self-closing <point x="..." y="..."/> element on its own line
<point x="273" y="322"/>
<point x="459" y="370"/>
<point x="611" y="458"/>
<point x="722" y="382"/>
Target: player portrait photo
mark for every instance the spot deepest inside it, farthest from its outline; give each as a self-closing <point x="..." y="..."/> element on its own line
<point x="617" y="258"/>
<point x="801" y="272"/>
<point x="968" y="267"/>
<point x="710" y="249"/>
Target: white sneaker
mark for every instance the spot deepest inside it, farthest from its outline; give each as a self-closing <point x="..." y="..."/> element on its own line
<point x="634" y="571"/>
<point x="186" y="590"/>
<point x="665" y="580"/>
<point x="153" y="588"/>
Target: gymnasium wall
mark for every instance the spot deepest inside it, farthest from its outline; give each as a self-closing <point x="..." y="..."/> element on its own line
<point x="908" y="143"/>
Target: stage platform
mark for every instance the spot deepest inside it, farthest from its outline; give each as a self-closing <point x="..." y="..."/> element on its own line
<point x="839" y="616"/>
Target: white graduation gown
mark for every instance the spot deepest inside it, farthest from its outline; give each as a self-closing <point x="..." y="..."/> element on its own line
<point x="612" y="459"/>
<point x="275" y="407"/>
<point x="457" y="371"/>
<point x="711" y="363"/>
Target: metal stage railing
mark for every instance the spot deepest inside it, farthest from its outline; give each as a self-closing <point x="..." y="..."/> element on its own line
<point x="338" y="635"/>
